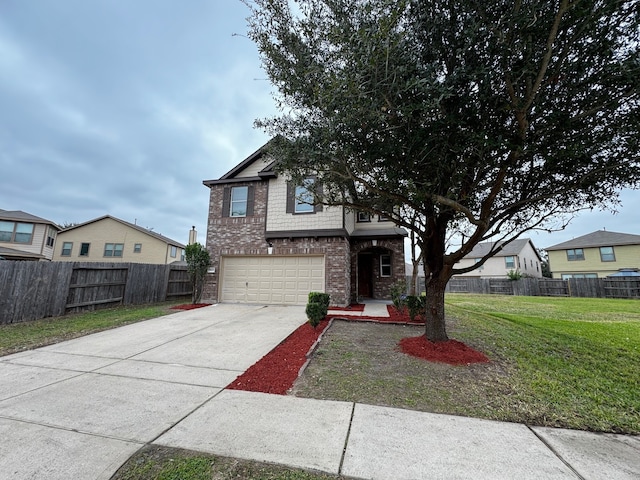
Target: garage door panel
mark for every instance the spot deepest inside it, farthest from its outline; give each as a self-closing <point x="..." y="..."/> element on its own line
<point x="271" y="279"/>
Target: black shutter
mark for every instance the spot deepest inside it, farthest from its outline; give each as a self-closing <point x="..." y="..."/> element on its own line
<point x="318" y="187"/>
<point x="291" y="205"/>
<point x="226" y="201"/>
<point x="250" y="202"/>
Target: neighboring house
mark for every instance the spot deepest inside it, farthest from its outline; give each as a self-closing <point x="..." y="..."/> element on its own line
<point x="595" y="255"/>
<point x="26" y="237"/>
<point x="109" y="239"/>
<point x="518" y="256"/>
<point x="269" y="246"/>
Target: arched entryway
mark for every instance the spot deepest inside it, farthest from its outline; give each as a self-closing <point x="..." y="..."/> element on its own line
<point x="375" y="268"/>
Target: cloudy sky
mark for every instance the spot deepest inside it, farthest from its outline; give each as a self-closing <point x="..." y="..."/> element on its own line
<point x="124" y="108"/>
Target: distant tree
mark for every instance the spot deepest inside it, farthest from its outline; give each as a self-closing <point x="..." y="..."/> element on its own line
<point x="198" y="260"/>
<point x="544" y="266"/>
<point x="488" y="118"/>
<point x="66" y="225"/>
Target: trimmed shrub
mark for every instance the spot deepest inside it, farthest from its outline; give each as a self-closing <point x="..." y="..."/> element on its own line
<point x="321" y="298"/>
<point x="315" y="313"/>
<point x="317" y="307"/>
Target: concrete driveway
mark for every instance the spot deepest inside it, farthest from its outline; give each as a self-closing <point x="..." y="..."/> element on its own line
<point x="79" y="409"/>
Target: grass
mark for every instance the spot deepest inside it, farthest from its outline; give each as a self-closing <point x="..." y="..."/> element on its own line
<point x="163" y="463"/>
<point x="575" y="360"/>
<point x="561" y="362"/>
<point x="27" y="335"/>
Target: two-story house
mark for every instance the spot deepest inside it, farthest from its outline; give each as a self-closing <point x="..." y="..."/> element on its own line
<point x="520" y="255"/>
<point x="26" y="237"/>
<point x="109" y="239"/>
<point x="595" y="255"/>
<point x="270" y="244"/>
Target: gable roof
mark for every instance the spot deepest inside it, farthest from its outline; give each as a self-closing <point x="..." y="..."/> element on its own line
<point x="599" y="238"/>
<point x="20" y="216"/>
<point x="131" y="225"/>
<point x="512" y="248"/>
<point x="230" y="176"/>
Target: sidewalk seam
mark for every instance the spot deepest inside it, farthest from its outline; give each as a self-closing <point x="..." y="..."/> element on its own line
<point x="548" y="445"/>
<point x="346" y="440"/>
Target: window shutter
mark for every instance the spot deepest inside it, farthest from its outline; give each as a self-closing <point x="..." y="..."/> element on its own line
<point x="290" y="197"/>
<point x="318" y="206"/>
<point x="226" y="201"/>
<point x="250" y="202"/>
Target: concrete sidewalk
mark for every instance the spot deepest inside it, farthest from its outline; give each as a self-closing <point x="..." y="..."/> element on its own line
<point x="80" y="408"/>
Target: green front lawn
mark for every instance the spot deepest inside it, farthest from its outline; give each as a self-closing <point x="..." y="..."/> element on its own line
<point x="577" y="360"/>
<point x="27" y="335"/>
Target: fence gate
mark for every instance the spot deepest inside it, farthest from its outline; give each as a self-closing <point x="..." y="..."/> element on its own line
<point x="95" y="286"/>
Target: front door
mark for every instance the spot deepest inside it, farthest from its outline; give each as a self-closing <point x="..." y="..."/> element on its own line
<point x="365" y="275"/>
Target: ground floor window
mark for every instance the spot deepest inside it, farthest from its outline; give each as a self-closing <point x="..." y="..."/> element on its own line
<point x="567" y="276"/>
<point x="385" y="265"/>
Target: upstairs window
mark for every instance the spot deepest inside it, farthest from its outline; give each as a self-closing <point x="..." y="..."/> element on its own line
<point x="304" y="196"/>
<point x="607" y="254"/>
<point x="575" y="254"/>
<point x="239" y="197"/>
<point x="113" y="249"/>
<point x="16" y="232"/>
<point x="510" y="262"/>
<point x="237" y="201"/>
<point x="137" y="248"/>
<point x="301" y="198"/>
<point x="84" y="249"/>
<point x="51" y="237"/>
<point x="174" y="251"/>
<point x="364" y="217"/>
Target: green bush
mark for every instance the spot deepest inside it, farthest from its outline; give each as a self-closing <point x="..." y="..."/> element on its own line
<point x="315" y="313"/>
<point x="321" y="298"/>
<point x="317" y="307"/>
<point x="399" y="295"/>
<point x="416" y="305"/>
<point x="514" y="275"/>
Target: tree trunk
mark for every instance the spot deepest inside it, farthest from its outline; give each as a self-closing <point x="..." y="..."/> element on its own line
<point x="437" y="274"/>
<point x="414" y="280"/>
<point x="435" y="328"/>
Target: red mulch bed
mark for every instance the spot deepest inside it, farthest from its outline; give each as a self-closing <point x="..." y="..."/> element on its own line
<point x="189" y="306"/>
<point x="278" y="369"/>
<point x="451" y="351"/>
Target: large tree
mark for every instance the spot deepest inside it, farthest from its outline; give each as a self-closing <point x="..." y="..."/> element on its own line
<point x="483" y="118"/>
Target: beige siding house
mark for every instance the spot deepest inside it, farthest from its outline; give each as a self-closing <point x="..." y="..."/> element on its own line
<point x="26" y="237"/>
<point x="109" y="239"/>
<point x="595" y="255"/>
<point x="268" y="245"/>
<point x="518" y="256"/>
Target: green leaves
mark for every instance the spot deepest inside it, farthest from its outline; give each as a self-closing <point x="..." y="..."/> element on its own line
<point x="198" y="261"/>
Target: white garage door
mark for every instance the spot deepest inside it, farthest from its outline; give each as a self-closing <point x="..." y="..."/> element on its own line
<point x="271" y="279"/>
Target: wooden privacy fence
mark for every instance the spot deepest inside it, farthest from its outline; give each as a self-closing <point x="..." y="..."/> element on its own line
<point x="33" y="290"/>
<point x="620" y="287"/>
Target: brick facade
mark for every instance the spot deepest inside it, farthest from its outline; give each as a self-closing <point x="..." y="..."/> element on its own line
<point x="247" y="236"/>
